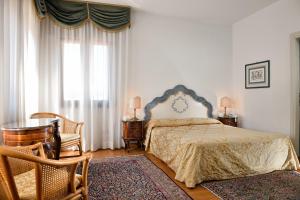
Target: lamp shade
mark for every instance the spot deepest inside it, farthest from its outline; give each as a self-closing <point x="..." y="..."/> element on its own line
<point x="135" y="102"/>
<point x="226" y="102"/>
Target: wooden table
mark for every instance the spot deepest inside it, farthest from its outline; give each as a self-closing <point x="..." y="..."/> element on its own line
<point x="33" y="131"/>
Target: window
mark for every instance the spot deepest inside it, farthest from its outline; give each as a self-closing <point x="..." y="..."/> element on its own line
<point x="30" y="75"/>
<point x="71" y="72"/>
<point x="74" y="72"/>
<point x="99" y="73"/>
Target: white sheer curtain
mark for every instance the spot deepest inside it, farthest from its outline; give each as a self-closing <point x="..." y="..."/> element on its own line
<point x="83" y="75"/>
<point x="19" y="33"/>
<point x="80" y="72"/>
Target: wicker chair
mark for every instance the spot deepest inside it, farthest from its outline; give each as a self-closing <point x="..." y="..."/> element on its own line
<point x="70" y="131"/>
<point x="26" y="174"/>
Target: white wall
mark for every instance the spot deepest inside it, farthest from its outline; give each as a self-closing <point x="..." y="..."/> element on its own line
<point x="166" y="52"/>
<point x="261" y="36"/>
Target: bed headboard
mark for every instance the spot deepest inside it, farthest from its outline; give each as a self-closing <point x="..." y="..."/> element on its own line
<point x="178" y="103"/>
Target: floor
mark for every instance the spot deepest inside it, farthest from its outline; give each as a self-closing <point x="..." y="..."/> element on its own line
<point x="198" y="193"/>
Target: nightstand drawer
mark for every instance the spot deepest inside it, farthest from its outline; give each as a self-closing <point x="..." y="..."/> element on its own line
<point x="135" y="133"/>
<point x="132" y="126"/>
<point x="132" y="129"/>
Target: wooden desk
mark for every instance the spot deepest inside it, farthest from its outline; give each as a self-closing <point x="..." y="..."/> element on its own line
<point x="33" y="131"/>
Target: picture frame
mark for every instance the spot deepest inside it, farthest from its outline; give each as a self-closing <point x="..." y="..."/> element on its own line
<point x="257" y="75"/>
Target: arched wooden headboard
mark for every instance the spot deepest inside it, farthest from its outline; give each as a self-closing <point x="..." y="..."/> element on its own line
<point x="179" y="102"/>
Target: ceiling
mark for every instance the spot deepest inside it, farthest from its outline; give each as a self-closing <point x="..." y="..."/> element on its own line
<point x="208" y="11"/>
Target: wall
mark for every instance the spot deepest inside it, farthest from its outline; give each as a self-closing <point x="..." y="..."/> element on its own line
<point x="261" y="36"/>
<point x="166" y="52"/>
<point x="2" y="86"/>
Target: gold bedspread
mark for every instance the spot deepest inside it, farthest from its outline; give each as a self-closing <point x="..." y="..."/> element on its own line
<point x="204" y="149"/>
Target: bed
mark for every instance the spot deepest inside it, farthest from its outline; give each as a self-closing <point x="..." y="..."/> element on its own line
<point x="181" y="132"/>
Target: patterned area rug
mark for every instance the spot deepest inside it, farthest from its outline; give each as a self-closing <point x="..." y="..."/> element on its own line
<point x="278" y="185"/>
<point x="130" y="177"/>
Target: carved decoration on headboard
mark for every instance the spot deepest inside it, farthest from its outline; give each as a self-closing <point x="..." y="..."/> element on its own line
<point x="180" y="105"/>
<point x="174" y="91"/>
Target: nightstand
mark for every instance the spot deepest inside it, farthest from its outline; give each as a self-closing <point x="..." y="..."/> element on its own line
<point x="133" y="131"/>
<point x="230" y="121"/>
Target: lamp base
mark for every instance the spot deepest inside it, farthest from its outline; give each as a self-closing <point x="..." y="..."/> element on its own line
<point x="225" y="115"/>
<point x="134" y="119"/>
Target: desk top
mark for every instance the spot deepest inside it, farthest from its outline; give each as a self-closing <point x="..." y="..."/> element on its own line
<point x="29" y="124"/>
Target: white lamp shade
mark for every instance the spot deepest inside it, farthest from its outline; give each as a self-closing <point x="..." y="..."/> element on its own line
<point x="135" y="102"/>
<point x="226" y="102"/>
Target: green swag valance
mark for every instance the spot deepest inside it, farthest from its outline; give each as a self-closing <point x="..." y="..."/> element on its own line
<point x="74" y="13"/>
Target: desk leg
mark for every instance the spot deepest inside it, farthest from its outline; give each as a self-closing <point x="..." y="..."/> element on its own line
<point x="57" y="141"/>
<point x="57" y="147"/>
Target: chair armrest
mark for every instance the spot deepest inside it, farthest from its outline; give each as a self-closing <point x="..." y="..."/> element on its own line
<point x="20" y="155"/>
<point x="29" y="149"/>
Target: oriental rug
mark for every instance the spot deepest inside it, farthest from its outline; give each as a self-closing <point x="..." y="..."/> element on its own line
<point x="278" y="185"/>
<point x="130" y="177"/>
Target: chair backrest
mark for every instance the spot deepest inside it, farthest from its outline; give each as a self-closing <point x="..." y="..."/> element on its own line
<point x="66" y="125"/>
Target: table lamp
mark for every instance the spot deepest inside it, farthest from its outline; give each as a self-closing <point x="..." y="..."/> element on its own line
<point x="135" y="103"/>
<point x="226" y="103"/>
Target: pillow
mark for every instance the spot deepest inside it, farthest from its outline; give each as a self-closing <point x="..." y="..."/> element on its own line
<point x="180" y="122"/>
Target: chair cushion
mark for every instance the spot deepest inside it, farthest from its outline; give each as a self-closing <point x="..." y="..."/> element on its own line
<point x="25" y="183"/>
<point x="66" y="137"/>
<point x="26" y="186"/>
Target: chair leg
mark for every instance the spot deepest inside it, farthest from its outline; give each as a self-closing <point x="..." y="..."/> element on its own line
<point x="85" y="196"/>
<point x="80" y="149"/>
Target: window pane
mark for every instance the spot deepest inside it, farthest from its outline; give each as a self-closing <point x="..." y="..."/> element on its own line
<point x="31" y="76"/>
<point x="71" y="72"/>
<point x="99" y="73"/>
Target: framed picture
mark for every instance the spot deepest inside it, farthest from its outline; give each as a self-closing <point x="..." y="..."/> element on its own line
<point x="257" y="75"/>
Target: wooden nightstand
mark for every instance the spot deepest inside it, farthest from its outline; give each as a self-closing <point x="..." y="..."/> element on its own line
<point x="133" y="131"/>
<point x="230" y="121"/>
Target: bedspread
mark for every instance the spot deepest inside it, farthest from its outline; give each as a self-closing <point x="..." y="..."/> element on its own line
<point x="204" y="149"/>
